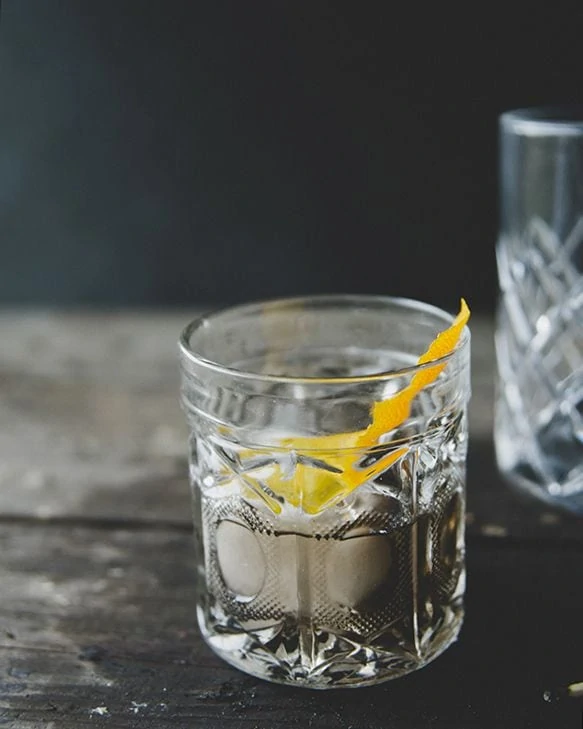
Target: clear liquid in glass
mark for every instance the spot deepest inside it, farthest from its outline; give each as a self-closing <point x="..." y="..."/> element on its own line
<point x="369" y="589"/>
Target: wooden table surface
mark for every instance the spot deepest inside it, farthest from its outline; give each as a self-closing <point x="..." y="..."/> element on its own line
<point x="97" y="620"/>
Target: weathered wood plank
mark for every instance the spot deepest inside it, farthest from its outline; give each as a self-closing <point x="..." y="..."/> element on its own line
<point x="97" y="628"/>
<point x="88" y="410"/>
<point x="90" y="424"/>
<point x="97" y="624"/>
<point x="91" y="429"/>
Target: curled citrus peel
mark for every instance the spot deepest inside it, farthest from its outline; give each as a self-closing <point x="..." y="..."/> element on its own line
<point x="314" y="487"/>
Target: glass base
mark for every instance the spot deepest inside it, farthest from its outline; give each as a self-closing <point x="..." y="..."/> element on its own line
<point x="308" y="657"/>
<point x="552" y="474"/>
<point x="519" y="478"/>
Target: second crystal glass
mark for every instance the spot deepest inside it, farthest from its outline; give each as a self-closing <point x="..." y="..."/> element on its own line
<point x="539" y="335"/>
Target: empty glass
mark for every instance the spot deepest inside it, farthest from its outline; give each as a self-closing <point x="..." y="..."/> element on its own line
<point x="538" y="429"/>
<point x="328" y="555"/>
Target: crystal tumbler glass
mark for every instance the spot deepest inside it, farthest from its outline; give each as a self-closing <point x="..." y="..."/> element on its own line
<point x="330" y="551"/>
<point x="538" y="430"/>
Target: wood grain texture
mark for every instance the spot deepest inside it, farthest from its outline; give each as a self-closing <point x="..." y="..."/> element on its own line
<point x="91" y="429"/>
<point x="90" y="424"/>
<point x="89" y="412"/>
<point x="100" y="619"/>
<point x="97" y="603"/>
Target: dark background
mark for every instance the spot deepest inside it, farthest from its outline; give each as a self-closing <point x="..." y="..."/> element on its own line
<point x="187" y="152"/>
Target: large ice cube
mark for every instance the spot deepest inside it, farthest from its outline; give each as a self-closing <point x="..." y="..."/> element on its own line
<point x="241" y="559"/>
<point x="357" y="566"/>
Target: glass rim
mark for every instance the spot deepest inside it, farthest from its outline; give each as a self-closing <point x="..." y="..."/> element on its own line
<point x="544" y="121"/>
<point x="189" y="354"/>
